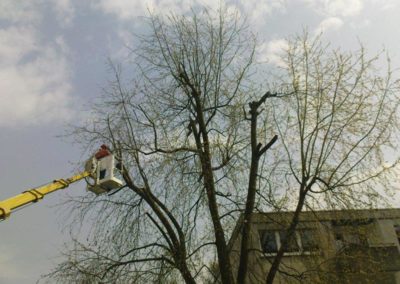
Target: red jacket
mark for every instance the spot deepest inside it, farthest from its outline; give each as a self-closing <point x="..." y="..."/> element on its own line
<point x="103" y="152"/>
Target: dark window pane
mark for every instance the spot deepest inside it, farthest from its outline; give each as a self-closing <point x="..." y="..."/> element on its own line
<point x="102" y="174"/>
<point x="292" y="245"/>
<point x="308" y="240"/>
<point x="268" y="242"/>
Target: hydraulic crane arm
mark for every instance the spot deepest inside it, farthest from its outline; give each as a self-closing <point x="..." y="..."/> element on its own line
<point x="103" y="169"/>
<point x="36" y="194"/>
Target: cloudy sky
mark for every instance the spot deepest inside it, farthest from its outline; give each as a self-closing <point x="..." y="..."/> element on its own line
<point x="53" y="63"/>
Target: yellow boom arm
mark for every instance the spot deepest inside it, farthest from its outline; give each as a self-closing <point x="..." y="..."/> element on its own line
<point x="36" y="194"/>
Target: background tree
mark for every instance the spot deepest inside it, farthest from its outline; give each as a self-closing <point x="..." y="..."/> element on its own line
<point x="193" y="128"/>
<point x="341" y="117"/>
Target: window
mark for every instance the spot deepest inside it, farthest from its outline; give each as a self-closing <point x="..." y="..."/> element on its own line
<point x="268" y="242"/>
<point x="102" y="174"/>
<point x="308" y="241"/>
<point x="350" y="233"/>
<point x="292" y="245"/>
<point x="303" y="241"/>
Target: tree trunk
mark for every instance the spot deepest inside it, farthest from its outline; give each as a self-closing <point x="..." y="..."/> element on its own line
<point x="251" y="192"/>
<point x="256" y="152"/>
<point x="289" y="233"/>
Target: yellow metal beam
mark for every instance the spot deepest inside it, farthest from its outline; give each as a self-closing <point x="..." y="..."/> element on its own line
<point x="36" y="194"/>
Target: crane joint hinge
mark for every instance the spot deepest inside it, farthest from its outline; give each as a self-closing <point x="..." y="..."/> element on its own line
<point x="63" y="182"/>
<point x="36" y="194"/>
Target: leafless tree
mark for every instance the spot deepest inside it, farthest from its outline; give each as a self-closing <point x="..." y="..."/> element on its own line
<point x="181" y="135"/>
<point x="335" y="128"/>
<point x="193" y="129"/>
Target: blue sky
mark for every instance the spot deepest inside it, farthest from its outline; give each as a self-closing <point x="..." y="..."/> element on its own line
<point x="53" y="64"/>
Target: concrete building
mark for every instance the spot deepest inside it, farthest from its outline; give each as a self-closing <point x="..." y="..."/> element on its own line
<point x="349" y="246"/>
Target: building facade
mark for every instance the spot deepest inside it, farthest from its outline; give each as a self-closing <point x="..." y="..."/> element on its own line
<point x="347" y="246"/>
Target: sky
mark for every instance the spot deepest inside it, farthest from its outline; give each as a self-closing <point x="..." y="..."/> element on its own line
<point x="53" y="65"/>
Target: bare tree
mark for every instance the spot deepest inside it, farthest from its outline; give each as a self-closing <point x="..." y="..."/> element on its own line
<point x="335" y="128"/>
<point x="181" y="135"/>
<point x="193" y="130"/>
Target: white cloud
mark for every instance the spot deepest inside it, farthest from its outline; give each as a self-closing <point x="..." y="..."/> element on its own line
<point x="128" y="9"/>
<point x="30" y="12"/>
<point x="35" y="76"/>
<point x="341" y="8"/>
<point x="34" y="81"/>
<point x="331" y="23"/>
<point x="64" y="10"/>
<point x="18" y="11"/>
<point x="258" y="11"/>
<point x="14" y="43"/>
<point x="386" y="4"/>
<point x="272" y="52"/>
